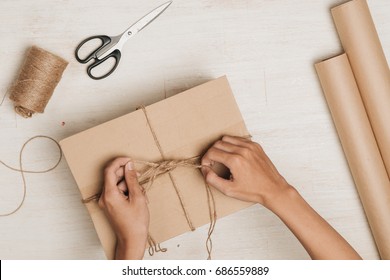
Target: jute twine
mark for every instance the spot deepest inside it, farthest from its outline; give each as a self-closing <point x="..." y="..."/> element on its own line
<point x="152" y="170"/>
<point x="38" y="77"/>
<point x="22" y="170"/>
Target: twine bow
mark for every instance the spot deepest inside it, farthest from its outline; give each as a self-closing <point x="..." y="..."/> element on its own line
<point x="154" y="169"/>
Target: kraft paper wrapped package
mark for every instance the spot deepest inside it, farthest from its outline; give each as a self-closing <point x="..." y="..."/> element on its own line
<point x="185" y="126"/>
<point x="360" y="41"/>
<point x="359" y="144"/>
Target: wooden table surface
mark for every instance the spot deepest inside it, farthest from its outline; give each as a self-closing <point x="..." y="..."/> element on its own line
<point x="266" y="48"/>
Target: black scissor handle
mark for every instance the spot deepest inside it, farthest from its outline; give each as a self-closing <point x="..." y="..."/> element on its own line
<point x="105" y="41"/>
<point x="116" y="54"/>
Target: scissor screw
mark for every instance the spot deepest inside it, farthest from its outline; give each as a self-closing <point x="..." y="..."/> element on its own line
<point x="129" y="33"/>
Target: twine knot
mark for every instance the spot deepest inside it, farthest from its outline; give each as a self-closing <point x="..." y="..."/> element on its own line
<point x="155" y="169"/>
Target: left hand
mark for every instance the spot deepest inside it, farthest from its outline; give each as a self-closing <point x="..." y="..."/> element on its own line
<point x="125" y="205"/>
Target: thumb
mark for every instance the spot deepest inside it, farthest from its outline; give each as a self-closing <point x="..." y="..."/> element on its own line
<point x="132" y="180"/>
<point x="217" y="182"/>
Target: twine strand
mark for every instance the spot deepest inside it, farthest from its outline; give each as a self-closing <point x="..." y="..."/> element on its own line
<point x="154" y="247"/>
<point x="4" y="96"/>
<point x="189" y="222"/>
<point x="153" y="170"/>
<point x="150" y="173"/>
<point x="213" y="219"/>
<point x="210" y="197"/>
<point x="23" y="171"/>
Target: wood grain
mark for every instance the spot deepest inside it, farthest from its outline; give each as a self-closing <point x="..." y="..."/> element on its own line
<point x="266" y="48"/>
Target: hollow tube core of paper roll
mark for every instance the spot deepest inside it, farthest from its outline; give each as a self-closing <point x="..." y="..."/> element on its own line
<point x="359" y="145"/>
<point x="360" y="41"/>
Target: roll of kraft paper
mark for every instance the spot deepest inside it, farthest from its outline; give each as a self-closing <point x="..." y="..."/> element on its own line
<point x="360" y="148"/>
<point x="361" y="43"/>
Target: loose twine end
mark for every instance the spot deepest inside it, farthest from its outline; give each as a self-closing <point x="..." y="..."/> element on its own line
<point x="23" y="171"/>
<point x="154" y="247"/>
<point x="155" y="169"/>
<point x="150" y="172"/>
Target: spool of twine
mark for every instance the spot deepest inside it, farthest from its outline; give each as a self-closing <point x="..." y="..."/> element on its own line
<point x="38" y="77"/>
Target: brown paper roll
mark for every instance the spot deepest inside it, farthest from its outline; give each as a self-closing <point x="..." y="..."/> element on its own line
<point x="361" y="43"/>
<point x="360" y="148"/>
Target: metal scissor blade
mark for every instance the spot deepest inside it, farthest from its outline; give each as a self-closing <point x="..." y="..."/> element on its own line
<point x="117" y="42"/>
<point x="146" y="20"/>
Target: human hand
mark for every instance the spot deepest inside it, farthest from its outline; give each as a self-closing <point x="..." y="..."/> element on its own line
<point x="253" y="176"/>
<point x="125" y="205"/>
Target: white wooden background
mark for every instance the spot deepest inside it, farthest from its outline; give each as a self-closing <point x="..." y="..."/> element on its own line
<point x="266" y="48"/>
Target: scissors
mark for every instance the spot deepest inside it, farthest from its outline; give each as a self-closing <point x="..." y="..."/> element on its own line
<point x="111" y="46"/>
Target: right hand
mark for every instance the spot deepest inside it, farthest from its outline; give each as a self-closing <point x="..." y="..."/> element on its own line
<point x="253" y="176"/>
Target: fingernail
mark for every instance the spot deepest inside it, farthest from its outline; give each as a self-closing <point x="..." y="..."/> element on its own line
<point x="129" y="165"/>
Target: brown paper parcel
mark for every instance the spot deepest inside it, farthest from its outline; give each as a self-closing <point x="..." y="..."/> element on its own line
<point x="185" y="126"/>
<point x="360" y="148"/>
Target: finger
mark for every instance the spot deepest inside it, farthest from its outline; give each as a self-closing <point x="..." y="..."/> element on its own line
<point x="110" y="176"/>
<point x="215" y="154"/>
<point x="217" y="182"/>
<point x="123" y="188"/>
<point x="132" y="180"/>
<point x="117" y="163"/>
<point x="205" y="169"/>
<point x="244" y="143"/>
<point x="227" y="146"/>
<point x="120" y="173"/>
<point x="239" y="141"/>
